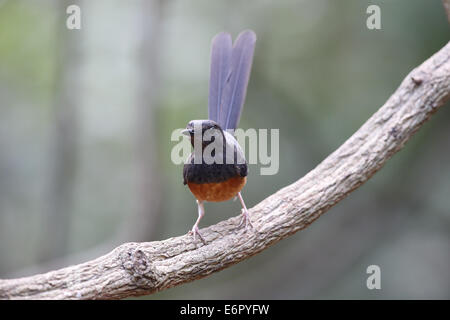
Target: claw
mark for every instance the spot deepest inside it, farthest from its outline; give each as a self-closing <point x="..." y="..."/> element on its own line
<point x="195" y="232"/>
<point x="245" y="216"/>
<point x="245" y="220"/>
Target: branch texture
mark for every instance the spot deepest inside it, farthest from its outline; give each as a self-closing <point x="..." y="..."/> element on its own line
<point x="135" y="269"/>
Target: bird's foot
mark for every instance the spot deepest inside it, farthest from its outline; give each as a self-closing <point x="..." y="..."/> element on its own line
<point x="245" y="220"/>
<point x="195" y="232"/>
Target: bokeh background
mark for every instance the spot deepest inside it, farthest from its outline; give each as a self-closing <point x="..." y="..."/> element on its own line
<point x="86" y="118"/>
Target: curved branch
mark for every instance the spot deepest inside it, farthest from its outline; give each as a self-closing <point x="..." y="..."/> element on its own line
<point x="134" y="269"/>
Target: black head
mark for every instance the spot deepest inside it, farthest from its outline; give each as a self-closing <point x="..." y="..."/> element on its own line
<point x="204" y="125"/>
<point x="197" y="128"/>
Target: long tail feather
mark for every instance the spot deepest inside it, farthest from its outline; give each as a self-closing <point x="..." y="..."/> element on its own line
<point x="221" y="51"/>
<point x="233" y="95"/>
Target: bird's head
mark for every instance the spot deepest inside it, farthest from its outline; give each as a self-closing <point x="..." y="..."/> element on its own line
<point x="203" y="130"/>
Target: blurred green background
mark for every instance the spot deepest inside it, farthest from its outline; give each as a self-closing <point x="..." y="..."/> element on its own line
<point x="86" y="117"/>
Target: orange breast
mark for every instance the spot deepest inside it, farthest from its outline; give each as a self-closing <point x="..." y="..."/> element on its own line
<point x="218" y="191"/>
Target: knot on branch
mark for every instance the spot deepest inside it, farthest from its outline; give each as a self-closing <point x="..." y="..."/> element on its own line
<point x="418" y="76"/>
<point x="139" y="266"/>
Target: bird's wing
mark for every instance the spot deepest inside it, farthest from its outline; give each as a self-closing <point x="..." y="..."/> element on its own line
<point x="238" y="156"/>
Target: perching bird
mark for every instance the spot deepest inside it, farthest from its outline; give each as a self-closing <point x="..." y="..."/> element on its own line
<point x="219" y="173"/>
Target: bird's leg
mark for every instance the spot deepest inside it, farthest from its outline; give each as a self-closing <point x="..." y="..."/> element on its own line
<point x="245" y="216"/>
<point x="201" y="213"/>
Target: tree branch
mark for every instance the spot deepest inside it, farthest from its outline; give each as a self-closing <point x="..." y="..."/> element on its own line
<point x="135" y="269"/>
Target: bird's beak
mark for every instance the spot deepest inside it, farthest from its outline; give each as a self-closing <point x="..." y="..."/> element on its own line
<point x="186" y="132"/>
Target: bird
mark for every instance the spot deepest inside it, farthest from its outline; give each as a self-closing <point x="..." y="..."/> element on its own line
<point x="221" y="174"/>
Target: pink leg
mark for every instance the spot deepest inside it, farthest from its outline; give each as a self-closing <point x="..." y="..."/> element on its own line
<point x="201" y="213"/>
<point x="245" y="216"/>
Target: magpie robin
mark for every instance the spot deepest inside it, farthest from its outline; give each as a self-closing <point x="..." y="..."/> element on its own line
<point x="223" y="175"/>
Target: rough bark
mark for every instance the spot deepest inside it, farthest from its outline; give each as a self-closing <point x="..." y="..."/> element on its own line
<point x="134" y="269"/>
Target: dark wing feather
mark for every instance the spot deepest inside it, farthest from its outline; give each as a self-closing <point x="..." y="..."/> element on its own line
<point x="221" y="49"/>
<point x="233" y="94"/>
